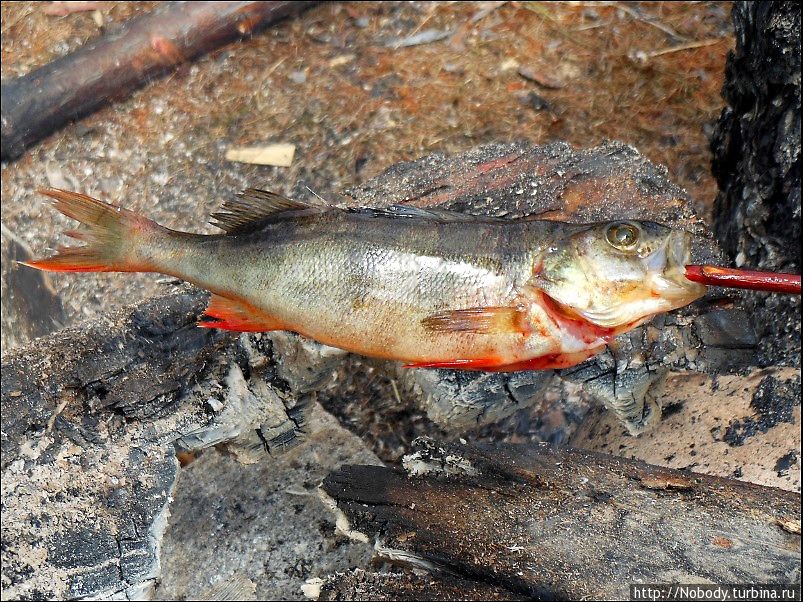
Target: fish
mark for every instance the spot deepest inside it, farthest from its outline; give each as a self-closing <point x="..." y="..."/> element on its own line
<point x="432" y="288"/>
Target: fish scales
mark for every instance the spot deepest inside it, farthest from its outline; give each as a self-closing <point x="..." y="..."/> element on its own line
<point x="367" y="283"/>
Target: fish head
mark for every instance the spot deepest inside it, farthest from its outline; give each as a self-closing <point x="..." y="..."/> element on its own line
<point x="618" y="273"/>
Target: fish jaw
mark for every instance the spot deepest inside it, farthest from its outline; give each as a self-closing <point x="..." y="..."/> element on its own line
<point x="670" y="281"/>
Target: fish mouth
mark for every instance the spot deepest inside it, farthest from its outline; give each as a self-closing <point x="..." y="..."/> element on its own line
<point x="667" y="268"/>
<point x="653" y="284"/>
<point x="664" y="286"/>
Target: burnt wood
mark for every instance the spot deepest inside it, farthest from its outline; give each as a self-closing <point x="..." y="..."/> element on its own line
<point x="756" y="147"/>
<point x="92" y="418"/>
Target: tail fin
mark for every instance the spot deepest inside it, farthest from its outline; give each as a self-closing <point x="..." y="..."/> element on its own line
<point x="113" y="236"/>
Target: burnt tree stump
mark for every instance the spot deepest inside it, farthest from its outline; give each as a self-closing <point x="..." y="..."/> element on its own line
<point x="756" y="150"/>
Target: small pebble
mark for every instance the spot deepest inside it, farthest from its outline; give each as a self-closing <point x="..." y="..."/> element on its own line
<point x="298" y="77"/>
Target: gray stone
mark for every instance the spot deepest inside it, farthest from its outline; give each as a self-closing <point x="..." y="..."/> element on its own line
<point x="262" y="522"/>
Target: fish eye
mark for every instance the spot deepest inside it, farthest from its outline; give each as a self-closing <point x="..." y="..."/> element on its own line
<point x="623" y="235"/>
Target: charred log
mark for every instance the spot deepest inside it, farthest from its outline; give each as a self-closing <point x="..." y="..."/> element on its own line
<point x="110" y="68"/>
<point x="566" y="524"/>
<point x="92" y="417"/>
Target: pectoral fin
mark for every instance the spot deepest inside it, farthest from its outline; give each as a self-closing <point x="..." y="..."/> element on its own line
<point x="235" y="314"/>
<point x="480" y="320"/>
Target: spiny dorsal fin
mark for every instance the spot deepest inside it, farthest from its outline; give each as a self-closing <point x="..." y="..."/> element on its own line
<point x="253" y="206"/>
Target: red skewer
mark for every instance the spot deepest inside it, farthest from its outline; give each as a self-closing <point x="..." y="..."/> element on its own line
<point x="750" y="279"/>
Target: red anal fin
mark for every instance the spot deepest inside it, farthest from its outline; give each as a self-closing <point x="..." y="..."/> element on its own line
<point x="480" y="320"/>
<point x="488" y="364"/>
<point x="235" y="314"/>
<point x="552" y="361"/>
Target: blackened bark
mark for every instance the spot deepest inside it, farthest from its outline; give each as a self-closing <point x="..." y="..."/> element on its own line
<point x="756" y="150"/>
<point x="91" y="419"/>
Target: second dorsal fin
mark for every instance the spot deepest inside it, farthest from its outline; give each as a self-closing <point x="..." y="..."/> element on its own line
<point x="253" y="206"/>
<point x="428" y="213"/>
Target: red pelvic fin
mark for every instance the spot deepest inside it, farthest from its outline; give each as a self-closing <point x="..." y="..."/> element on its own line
<point x="476" y="364"/>
<point x="235" y="314"/>
<point x="482" y="320"/>
<point x="553" y="361"/>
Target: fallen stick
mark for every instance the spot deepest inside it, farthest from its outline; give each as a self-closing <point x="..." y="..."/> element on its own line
<point x="748" y="279"/>
<point x="37" y="104"/>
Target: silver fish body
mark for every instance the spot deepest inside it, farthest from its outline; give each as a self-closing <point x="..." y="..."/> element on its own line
<point x="431" y="288"/>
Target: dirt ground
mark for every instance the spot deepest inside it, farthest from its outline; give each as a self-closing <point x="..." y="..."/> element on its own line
<point x="342" y="84"/>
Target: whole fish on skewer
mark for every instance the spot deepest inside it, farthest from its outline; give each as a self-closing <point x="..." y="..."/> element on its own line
<point x="429" y="287"/>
